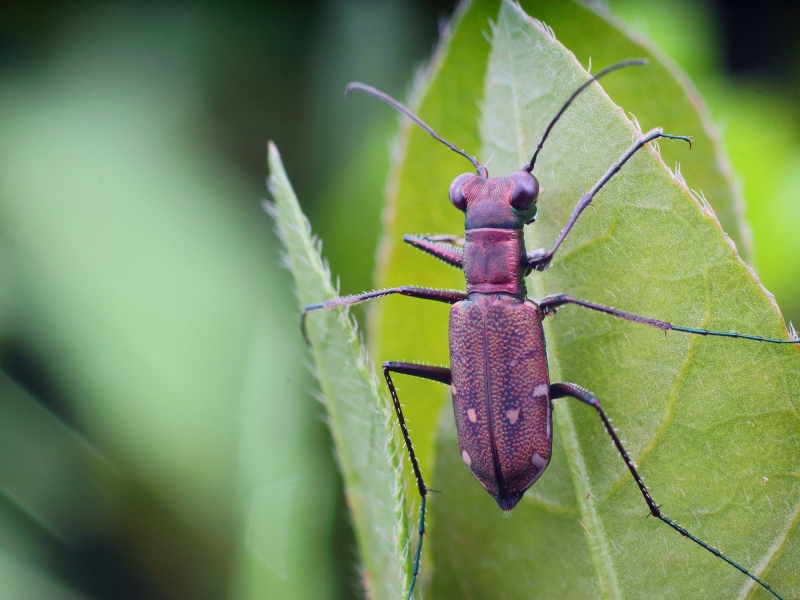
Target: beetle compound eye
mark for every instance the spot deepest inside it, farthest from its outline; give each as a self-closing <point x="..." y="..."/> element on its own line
<point x="525" y="191"/>
<point x="456" y="193"/>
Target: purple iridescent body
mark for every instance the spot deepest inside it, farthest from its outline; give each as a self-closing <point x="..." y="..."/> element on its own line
<point x="501" y="393"/>
<point x="500" y="385"/>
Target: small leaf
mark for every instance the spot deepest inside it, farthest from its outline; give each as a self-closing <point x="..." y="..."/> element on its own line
<point x="361" y="419"/>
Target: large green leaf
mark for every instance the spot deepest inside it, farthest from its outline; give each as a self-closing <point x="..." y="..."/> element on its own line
<point x="448" y="97"/>
<point x="658" y="96"/>
<point x="360" y="418"/>
<point x="711" y="422"/>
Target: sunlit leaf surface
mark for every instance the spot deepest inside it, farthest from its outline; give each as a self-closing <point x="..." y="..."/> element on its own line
<point x="711" y="422"/>
<point x="659" y="95"/>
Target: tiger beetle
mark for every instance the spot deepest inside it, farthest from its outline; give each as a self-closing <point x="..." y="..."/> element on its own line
<point x="501" y="389"/>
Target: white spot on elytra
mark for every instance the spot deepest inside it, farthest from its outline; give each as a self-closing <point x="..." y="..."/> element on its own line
<point x="513" y="415"/>
<point x="541" y="390"/>
<point x="453" y="389"/>
<point x="466" y="458"/>
<point x="538" y="461"/>
<point x="472" y="416"/>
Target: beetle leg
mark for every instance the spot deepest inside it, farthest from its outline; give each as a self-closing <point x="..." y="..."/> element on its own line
<point x="447" y="296"/>
<point x="560" y="390"/>
<point x="444" y="247"/>
<point x="550" y="303"/>
<point x="444" y="238"/>
<point x="541" y="262"/>
<point x="442" y="375"/>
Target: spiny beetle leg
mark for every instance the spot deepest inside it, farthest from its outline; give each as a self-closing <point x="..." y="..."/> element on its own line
<point x="442" y="375"/>
<point x="540" y="262"/>
<point x="561" y="390"/>
<point x="550" y="303"/>
<point x="445" y="238"/>
<point x="440" y="246"/>
<point x="447" y="296"/>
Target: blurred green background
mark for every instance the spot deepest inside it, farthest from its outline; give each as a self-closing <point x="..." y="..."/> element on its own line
<point x="159" y="436"/>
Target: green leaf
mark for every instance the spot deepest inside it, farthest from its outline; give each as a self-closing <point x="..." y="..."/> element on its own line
<point x="448" y="97"/>
<point x="361" y="419"/>
<point x="711" y="422"/>
<point x="659" y="95"/>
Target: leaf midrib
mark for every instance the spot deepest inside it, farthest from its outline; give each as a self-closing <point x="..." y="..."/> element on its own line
<point x="593" y="526"/>
<point x="592" y="523"/>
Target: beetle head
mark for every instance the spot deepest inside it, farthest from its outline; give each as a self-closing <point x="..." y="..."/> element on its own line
<point x="497" y="202"/>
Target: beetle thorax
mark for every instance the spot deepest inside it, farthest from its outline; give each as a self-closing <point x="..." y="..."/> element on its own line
<point x="493" y="261"/>
<point x="496" y="210"/>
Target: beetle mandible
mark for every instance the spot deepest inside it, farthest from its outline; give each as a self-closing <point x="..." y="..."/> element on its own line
<point x="498" y="375"/>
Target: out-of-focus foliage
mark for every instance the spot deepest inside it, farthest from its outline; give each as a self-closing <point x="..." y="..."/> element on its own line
<point x="140" y="277"/>
<point x="158" y="435"/>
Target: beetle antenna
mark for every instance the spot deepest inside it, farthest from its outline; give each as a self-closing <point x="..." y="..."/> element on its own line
<point x="392" y="102"/>
<point x="583" y="86"/>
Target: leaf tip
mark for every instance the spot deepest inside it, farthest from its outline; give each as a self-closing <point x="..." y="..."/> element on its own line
<point x="274" y="162"/>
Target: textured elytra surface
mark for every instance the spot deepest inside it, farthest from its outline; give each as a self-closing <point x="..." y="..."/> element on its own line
<point x="716" y="438"/>
<point x="500" y="391"/>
